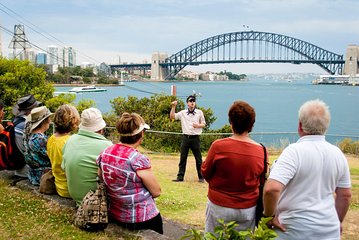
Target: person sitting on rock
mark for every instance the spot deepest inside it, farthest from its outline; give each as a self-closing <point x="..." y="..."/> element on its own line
<point x="130" y="183"/>
<point x="80" y="153"/>
<point x="66" y="121"/>
<point x="35" y="142"/>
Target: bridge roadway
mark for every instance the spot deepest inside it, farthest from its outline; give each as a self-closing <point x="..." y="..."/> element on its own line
<point x="148" y="65"/>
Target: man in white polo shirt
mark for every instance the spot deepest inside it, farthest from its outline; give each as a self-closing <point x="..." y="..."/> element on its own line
<point x="192" y="122"/>
<point x="309" y="190"/>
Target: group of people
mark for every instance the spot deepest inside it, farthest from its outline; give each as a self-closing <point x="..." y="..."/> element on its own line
<point x="307" y="193"/>
<point x="78" y="154"/>
<point x="308" y="190"/>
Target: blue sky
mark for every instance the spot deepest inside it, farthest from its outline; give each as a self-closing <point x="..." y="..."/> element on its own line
<point x="104" y="30"/>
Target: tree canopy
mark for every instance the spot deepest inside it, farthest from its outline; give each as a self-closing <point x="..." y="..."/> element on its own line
<point x="18" y="78"/>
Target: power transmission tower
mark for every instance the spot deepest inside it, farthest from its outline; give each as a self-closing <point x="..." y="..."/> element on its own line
<point x="19" y="41"/>
<point x="0" y="40"/>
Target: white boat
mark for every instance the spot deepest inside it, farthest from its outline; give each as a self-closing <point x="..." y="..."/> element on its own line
<point x="87" y="89"/>
<point x="332" y="80"/>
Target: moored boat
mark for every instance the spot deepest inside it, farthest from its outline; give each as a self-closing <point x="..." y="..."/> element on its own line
<point x="87" y="89"/>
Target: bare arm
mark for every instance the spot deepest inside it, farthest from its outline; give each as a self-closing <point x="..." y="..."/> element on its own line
<point x="201" y="124"/>
<point x="150" y="182"/>
<point x="271" y="193"/>
<point x="173" y="110"/>
<point x="342" y="201"/>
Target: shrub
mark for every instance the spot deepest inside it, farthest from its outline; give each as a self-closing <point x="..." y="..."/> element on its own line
<point x="349" y="146"/>
<point x="227" y="231"/>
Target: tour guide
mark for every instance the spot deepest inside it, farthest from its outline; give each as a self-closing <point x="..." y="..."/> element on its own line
<point x="192" y="122"/>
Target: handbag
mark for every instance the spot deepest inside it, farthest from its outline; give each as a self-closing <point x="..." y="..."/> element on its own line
<point x="92" y="213"/>
<point x="47" y="183"/>
<point x="262" y="179"/>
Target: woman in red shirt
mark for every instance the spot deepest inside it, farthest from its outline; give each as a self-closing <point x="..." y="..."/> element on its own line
<point x="232" y="169"/>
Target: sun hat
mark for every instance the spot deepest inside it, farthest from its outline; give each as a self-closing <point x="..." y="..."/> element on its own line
<point x="24" y="104"/>
<point x="91" y="120"/>
<point x="38" y="115"/>
<point x="137" y="131"/>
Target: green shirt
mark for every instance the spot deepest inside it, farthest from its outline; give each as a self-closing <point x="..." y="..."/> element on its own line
<point x="79" y="162"/>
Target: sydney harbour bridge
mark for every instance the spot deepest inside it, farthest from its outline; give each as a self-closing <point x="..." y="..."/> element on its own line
<point x="248" y="47"/>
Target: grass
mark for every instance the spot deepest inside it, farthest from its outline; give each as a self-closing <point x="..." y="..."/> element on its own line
<point x="26" y="216"/>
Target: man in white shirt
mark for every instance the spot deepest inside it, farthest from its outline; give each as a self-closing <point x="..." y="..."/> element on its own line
<point x="309" y="190"/>
<point x="192" y="122"/>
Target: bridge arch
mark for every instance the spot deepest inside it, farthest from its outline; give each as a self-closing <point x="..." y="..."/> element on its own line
<point x="276" y="48"/>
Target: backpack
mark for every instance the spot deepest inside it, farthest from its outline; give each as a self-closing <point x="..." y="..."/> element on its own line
<point x="11" y="157"/>
<point x="92" y="213"/>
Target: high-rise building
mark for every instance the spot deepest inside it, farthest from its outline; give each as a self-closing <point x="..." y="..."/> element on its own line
<point x="31" y="56"/>
<point x="41" y="58"/>
<point x="68" y="57"/>
<point x="52" y="55"/>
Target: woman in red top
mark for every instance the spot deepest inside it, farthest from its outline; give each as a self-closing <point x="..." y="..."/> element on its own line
<point x="232" y="169"/>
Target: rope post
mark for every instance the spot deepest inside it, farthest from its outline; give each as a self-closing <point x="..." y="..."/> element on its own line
<point x="173" y="90"/>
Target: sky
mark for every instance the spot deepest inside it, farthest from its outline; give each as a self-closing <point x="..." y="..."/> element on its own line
<point x="109" y="30"/>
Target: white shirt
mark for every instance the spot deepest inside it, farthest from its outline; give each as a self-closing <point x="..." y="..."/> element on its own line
<point x="187" y="121"/>
<point x="311" y="169"/>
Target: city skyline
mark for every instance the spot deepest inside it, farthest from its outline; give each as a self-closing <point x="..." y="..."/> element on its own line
<point x="105" y="31"/>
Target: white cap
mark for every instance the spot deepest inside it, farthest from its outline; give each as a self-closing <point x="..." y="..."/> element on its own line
<point x="137" y="131"/>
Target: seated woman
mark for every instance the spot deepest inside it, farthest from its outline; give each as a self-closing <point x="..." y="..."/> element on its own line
<point x="35" y="142"/>
<point x="66" y="121"/>
<point x="232" y="169"/>
<point x="130" y="183"/>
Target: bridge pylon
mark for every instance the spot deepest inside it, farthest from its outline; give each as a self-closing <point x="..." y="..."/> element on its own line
<point x="351" y="66"/>
<point x="158" y="73"/>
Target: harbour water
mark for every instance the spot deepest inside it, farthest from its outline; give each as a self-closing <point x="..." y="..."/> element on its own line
<point x="276" y="101"/>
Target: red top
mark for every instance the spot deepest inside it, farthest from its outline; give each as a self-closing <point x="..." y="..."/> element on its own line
<point x="232" y="169"/>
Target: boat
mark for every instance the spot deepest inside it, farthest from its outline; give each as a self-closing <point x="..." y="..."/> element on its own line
<point x="87" y="89"/>
<point x="332" y="80"/>
<point x="345" y="80"/>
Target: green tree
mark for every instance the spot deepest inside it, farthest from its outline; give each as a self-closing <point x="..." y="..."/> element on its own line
<point x="18" y="78"/>
<point x="55" y="102"/>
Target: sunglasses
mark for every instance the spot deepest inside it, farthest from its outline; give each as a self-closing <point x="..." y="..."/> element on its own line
<point x="192" y="100"/>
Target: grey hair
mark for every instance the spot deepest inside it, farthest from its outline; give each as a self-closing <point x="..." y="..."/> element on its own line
<point x="314" y="116"/>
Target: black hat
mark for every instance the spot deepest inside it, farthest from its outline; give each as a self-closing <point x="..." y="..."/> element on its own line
<point x="191" y="97"/>
<point x="24" y="104"/>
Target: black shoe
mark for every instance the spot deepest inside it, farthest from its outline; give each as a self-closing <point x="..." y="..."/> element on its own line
<point x="177" y="180"/>
<point x="201" y="180"/>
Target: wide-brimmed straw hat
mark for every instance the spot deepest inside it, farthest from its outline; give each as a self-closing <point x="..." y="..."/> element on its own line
<point x="91" y="120"/>
<point x="25" y="104"/>
<point x="38" y="115"/>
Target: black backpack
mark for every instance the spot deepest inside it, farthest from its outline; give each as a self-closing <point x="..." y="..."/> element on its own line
<point x="11" y="157"/>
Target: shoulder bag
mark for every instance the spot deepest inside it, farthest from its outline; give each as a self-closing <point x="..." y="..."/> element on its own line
<point x="262" y="179"/>
<point x="92" y="214"/>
